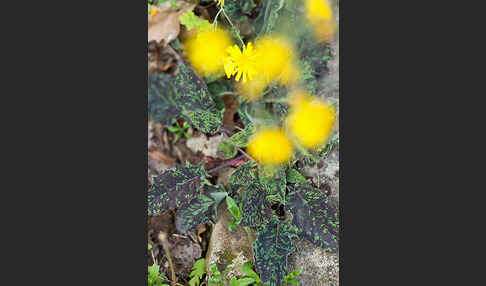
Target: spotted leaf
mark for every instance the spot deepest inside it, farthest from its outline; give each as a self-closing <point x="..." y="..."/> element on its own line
<point x="176" y="187"/>
<point x="316" y="219"/>
<point x="183" y="95"/>
<point x="272" y="247"/>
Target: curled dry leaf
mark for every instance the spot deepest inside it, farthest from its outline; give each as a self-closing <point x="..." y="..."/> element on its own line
<point x="161" y="157"/>
<point x="164" y="25"/>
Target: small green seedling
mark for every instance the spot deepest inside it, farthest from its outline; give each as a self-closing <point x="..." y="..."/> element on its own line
<point x="155" y="277"/>
<point x="290" y="278"/>
<point x="235" y="210"/>
<point x="198" y="270"/>
<point x="247" y="269"/>
<point x="179" y="131"/>
<point x="220" y="279"/>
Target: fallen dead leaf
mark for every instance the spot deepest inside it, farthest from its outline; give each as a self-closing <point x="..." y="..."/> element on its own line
<point x="165" y="25"/>
<point x="161" y="157"/>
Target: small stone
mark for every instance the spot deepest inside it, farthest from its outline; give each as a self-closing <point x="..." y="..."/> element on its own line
<point x="227" y="247"/>
<point x="319" y="268"/>
<point x="201" y="143"/>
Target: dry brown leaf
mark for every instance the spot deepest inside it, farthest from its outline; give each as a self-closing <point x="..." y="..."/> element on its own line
<point x="161" y="157"/>
<point x="165" y="25"/>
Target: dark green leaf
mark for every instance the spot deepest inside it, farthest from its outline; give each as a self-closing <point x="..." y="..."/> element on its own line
<point x="294" y="177"/>
<point x="271" y="248"/>
<point x="226" y="150"/>
<point x="274" y="185"/>
<point x="175" y="187"/>
<point x="206" y="121"/>
<point x="241" y="138"/>
<point x="316" y="219"/>
<point x="256" y="210"/>
<point x="199" y="210"/>
<point x="183" y="95"/>
<point x="244" y="175"/>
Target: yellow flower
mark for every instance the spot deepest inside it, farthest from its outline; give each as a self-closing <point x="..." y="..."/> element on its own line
<point x="253" y="89"/>
<point x="204" y="50"/>
<point x="290" y="74"/>
<point x="319" y="13"/>
<point x="318" y="9"/>
<point x="220" y="3"/>
<point x="276" y="60"/>
<point x="310" y="120"/>
<point x="270" y="146"/>
<point x="153" y="12"/>
<point x="241" y="62"/>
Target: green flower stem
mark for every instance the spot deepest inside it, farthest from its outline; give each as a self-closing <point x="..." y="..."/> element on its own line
<point x="215" y="23"/>
<point x="233" y="26"/>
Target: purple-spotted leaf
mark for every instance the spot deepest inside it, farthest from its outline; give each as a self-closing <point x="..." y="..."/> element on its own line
<point x="316" y="219"/>
<point x="199" y="210"/>
<point x="176" y="187"/>
<point x="183" y="95"/>
<point x="256" y="210"/>
<point x="272" y="247"/>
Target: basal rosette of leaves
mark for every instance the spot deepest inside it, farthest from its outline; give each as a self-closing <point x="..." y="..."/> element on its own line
<point x="308" y="213"/>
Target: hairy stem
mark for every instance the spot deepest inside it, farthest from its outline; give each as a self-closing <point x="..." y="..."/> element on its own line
<point x="163" y="239"/>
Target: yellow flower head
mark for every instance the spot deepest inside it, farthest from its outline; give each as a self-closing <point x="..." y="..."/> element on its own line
<point x="241" y="62"/>
<point x="204" y="50"/>
<point x="319" y="13"/>
<point x="220" y="3"/>
<point x="318" y="9"/>
<point x="153" y="12"/>
<point x="253" y="89"/>
<point x="276" y="59"/>
<point x="310" y="120"/>
<point x="270" y="146"/>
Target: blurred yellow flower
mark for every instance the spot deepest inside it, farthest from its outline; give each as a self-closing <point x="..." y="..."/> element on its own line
<point x="270" y="146"/>
<point x="153" y="12"/>
<point x="276" y="60"/>
<point x="318" y="9"/>
<point x="241" y="62"/>
<point x="205" y="50"/>
<point x="253" y="89"/>
<point x="319" y="13"/>
<point x="310" y="120"/>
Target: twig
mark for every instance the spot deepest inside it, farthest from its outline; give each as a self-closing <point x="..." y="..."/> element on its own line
<point x="228" y="93"/>
<point x="227" y="132"/>
<point x="153" y="257"/>
<point x="163" y="239"/>
<point x="248" y="156"/>
<point x="226" y="164"/>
